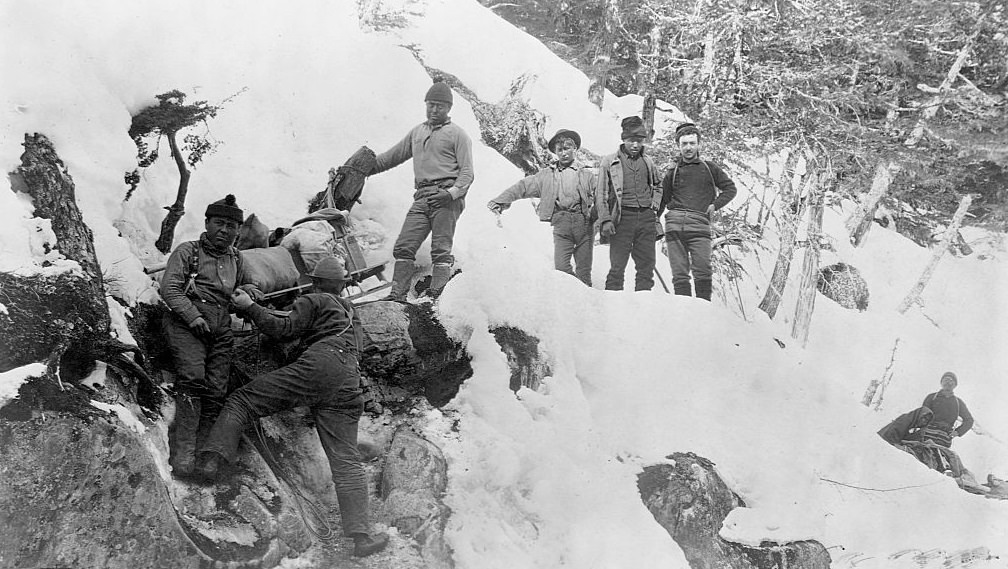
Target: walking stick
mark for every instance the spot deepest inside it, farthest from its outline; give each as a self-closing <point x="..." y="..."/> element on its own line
<point x="661" y="280"/>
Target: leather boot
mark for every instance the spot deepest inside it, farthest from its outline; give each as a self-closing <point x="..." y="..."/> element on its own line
<point x="365" y="544"/>
<point x="402" y="274"/>
<point x="440" y="273"/>
<point x="182" y="435"/>
<point x="703" y="289"/>
<point x="683" y="289"/>
<point x="209" y="466"/>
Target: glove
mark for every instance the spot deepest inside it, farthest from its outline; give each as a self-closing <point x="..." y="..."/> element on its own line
<point x="659" y="230"/>
<point x="607" y="230"/>
<point x="441" y="199"/>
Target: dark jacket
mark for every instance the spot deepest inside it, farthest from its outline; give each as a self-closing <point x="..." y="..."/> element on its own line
<point x="900" y="429"/>
<point x="314" y="317"/>
<point x="947" y="410"/>
<point x="544" y="184"/>
<point x="217" y="275"/>
<point x="609" y="187"/>
<point x="688" y="189"/>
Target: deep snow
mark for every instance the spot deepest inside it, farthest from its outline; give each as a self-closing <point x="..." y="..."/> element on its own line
<point x="547" y="479"/>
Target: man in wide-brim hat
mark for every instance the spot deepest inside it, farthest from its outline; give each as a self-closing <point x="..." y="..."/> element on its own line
<point x="567" y="196"/>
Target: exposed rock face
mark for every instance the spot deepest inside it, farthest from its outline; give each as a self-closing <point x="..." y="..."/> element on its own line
<point x="528" y="367"/>
<point x="77" y="493"/>
<point x="844" y="285"/>
<point x="412" y="485"/>
<point x="691" y="501"/>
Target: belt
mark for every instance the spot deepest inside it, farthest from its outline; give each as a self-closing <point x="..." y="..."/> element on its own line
<point x="631" y="208"/>
<point x="444" y="182"/>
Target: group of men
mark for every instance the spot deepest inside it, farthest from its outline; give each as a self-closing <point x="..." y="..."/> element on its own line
<point x="204" y="281"/>
<point x="623" y="199"/>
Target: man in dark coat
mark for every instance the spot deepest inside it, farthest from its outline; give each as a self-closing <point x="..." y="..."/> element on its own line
<point x="442" y="172"/>
<point x="948" y="409"/>
<point x="692" y="190"/>
<point x="325" y="377"/>
<point x="567" y="193"/>
<point x="197" y="285"/>
<point x="627" y="200"/>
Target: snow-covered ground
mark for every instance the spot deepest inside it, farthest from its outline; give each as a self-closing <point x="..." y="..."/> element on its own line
<point x="547" y="479"/>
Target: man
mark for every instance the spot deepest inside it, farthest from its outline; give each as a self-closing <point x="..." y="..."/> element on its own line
<point x="325" y="377"/>
<point x="628" y="198"/>
<point x="906" y="427"/>
<point x="442" y="171"/>
<point x="567" y="193"/>
<point x="197" y="285"/>
<point x="692" y="190"/>
<point x="948" y="408"/>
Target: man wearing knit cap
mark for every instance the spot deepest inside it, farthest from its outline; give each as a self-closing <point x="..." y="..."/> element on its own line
<point x="567" y="198"/>
<point x="197" y="285"/>
<point x="442" y="172"/>
<point x="948" y="409"/>
<point x="628" y="197"/>
<point x="693" y="189"/>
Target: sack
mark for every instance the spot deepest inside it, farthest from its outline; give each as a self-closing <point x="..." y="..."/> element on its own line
<point x="936" y="435"/>
<point x="269" y="269"/>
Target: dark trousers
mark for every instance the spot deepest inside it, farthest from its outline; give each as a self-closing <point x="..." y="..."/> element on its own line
<point x="326" y="379"/>
<point x="423" y="220"/>
<point x="202" y="364"/>
<point x="689" y="251"/>
<point x="573" y="237"/>
<point x="635" y="236"/>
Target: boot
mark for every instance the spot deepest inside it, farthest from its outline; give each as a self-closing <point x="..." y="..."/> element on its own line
<point x="209" y="466"/>
<point x="683" y="289"/>
<point x="365" y="544"/>
<point x="182" y="435"/>
<point x="401" y="276"/>
<point x="440" y="273"/>
<point x="703" y="289"/>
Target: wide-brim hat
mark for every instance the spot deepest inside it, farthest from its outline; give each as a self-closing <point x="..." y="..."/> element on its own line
<point x="330" y="268"/>
<point x="564" y="133"/>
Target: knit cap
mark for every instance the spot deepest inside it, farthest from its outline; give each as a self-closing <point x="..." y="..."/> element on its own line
<point x="952" y="375"/>
<point x="684" y="129"/>
<point x="226" y="208"/>
<point x="439" y="92"/>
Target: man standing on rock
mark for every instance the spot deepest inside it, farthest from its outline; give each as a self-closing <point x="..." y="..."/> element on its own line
<point x="442" y="171"/>
<point x="325" y="377"/>
<point x="628" y="197"/>
<point x="197" y="285"/>
<point x="948" y="409"/>
<point x="693" y="189"/>
<point x="567" y="192"/>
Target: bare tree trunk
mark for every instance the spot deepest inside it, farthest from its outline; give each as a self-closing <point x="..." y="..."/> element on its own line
<point x="789" y="197"/>
<point x="932" y="107"/>
<point x="707" y="71"/>
<point x="177" y="209"/>
<point x="810" y="266"/>
<point x="860" y="221"/>
<point x="604" y="40"/>
<point x="950" y="233"/>
<point x="649" y="78"/>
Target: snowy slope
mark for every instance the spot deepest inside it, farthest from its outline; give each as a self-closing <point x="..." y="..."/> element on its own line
<point x="547" y="479"/>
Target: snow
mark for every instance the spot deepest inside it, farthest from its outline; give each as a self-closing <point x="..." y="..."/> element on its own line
<point x="11" y="380"/>
<point x="124" y="414"/>
<point x="546" y="478"/>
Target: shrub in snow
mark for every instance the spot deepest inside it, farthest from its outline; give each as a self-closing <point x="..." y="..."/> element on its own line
<point x="844" y="285"/>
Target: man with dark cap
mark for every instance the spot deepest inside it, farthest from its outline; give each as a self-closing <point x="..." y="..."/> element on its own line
<point x="693" y="189"/>
<point x="197" y="285"/>
<point x="628" y="197"/>
<point x="325" y="377"/>
<point x="567" y="193"/>
<point x="948" y="409"/>
<point x="442" y="172"/>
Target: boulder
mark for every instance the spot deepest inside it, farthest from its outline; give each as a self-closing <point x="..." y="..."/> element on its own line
<point x="689" y="499"/>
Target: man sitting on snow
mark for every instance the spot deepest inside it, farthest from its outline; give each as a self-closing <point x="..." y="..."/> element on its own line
<point x="567" y="191"/>
<point x="906" y="427"/>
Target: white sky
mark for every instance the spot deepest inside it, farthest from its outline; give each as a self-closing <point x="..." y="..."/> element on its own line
<point x="547" y="479"/>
